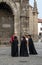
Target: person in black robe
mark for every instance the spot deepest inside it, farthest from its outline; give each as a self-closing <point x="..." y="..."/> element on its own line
<point x="14" y="47"/>
<point x="32" y="49"/>
<point x="23" y="47"/>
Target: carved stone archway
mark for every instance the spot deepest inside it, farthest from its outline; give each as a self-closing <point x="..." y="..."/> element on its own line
<point x="15" y="11"/>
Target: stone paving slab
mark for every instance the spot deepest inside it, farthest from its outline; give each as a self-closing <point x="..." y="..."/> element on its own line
<point x="6" y="59"/>
<point x="31" y="60"/>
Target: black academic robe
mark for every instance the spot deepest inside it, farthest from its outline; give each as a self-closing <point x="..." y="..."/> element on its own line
<point x="32" y="49"/>
<point x="23" y="48"/>
<point x="14" y="48"/>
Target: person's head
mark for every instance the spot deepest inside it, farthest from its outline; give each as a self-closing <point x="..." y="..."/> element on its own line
<point x="29" y="36"/>
<point x="15" y="37"/>
<point x="14" y="34"/>
<point x="23" y="37"/>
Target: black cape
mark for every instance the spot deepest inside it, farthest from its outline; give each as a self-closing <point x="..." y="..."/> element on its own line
<point x="32" y="49"/>
<point x="14" y="48"/>
<point x="23" y="48"/>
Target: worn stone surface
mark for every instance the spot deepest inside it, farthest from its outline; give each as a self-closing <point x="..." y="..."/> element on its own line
<point x="6" y="59"/>
<point x="25" y="20"/>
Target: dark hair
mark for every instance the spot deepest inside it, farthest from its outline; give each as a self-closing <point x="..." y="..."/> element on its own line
<point x="23" y="37"/>
<point x="29" y="35"/>
<point x="15" y="37"/>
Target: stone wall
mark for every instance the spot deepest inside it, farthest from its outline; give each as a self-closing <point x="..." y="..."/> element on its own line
<point x="24" y="20"/>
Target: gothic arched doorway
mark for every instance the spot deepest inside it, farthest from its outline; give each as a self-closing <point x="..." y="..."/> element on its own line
<point x="6" y="21"/>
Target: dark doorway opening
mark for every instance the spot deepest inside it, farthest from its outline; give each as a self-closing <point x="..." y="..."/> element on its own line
<point x="6" y="21"/>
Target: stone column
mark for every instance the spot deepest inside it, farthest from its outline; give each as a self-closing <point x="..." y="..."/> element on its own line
<point x="17" y="21"/>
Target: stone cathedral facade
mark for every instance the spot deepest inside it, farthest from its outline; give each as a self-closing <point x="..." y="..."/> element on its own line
<point x="18" y="17"/>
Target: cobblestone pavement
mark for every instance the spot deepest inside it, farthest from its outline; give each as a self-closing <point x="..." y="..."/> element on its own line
<point x="6" y="59"/>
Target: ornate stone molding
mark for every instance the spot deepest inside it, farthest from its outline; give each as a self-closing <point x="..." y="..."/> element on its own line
<point x="11" y="4"/>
